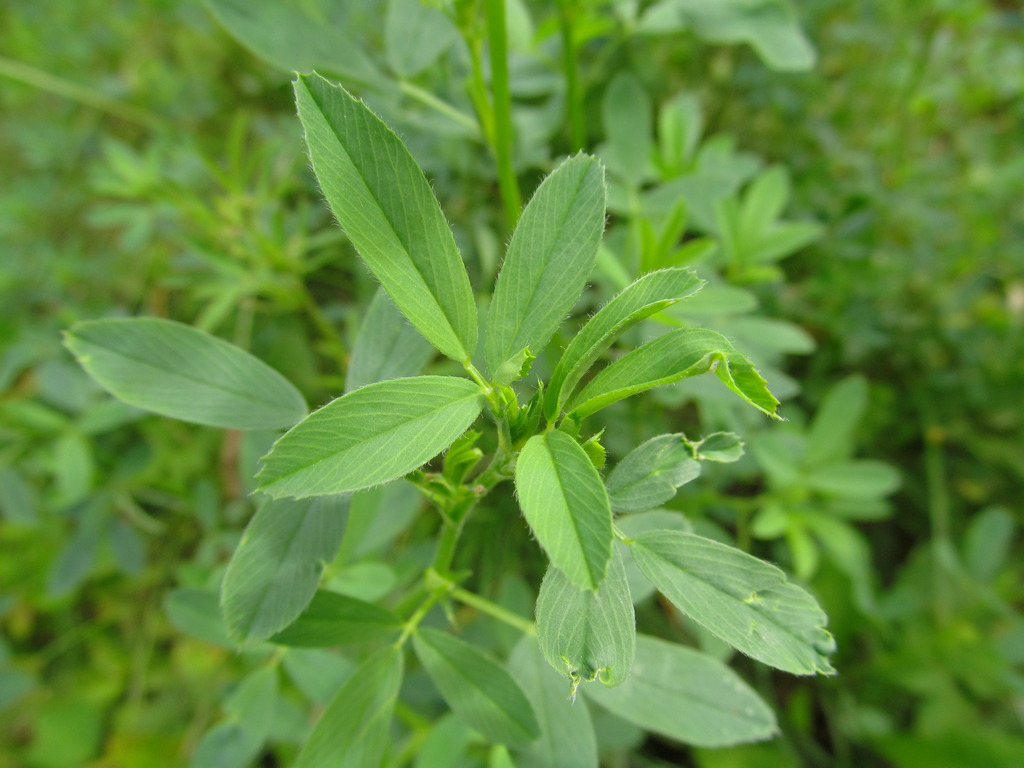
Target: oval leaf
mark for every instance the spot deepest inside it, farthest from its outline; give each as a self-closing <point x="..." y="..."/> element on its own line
<point x="588" y="634"/>
<point x="641" y="299"/>
<point x="550" y="257"/>
<point x="681" y="693"/>
<point x="746" y="602"/>
<point x="674" y="356"/>
<point x="387" y="347"/>
<point x="354" y="729"/>
<point x="179" y="371"/>
<point x="650" y="474"/>
<point x="371" y="436"/>
<point x="482" y="694"/>
<point x="566" y="505"/>
<point x="276" y="568"/>
<point x="333" y="619"/>
<point x="386" y="207"/>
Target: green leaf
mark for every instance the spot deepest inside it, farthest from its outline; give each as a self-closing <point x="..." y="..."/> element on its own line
<point x="274" y="572"/>
<point x="178" y="371"/>
<point x="479" y="691"/>
<point x="830" y="437"/>
<point x="415" y="35"/>
<point x="988" y="542"/>
<point x="371" y="436"/>
<point x="649" y="475"/>
<point x="333" y="619"/>
<point x="196" y="612"/>
<point x="626" y="112"/>
<point x="550" y="257"/>
<point x="567" y="738"/>
<point x="860" y="478"/>
<point x="296" y="35"/>
<point x="640" y="587"/>
<point x="587" y="634"/>
<point x="355" y="728"/>
<point x="742" y="600"/>
<point x="566" y="505"/>
<point x="387" y="347"/>
<point x="721" y="447"/>
<point x="641" y="299"/>
<point x="226" y="745"/>
<point x="253" y="703"/>
<point x="682" y="694"/>
<point x="386" y="207"/>
<point x="674" y="356"/>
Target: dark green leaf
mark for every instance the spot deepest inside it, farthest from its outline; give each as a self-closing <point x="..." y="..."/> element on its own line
<point x="332" y="619"/>
<point x="649" y="475"/>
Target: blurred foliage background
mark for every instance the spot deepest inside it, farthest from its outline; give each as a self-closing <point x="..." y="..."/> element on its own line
<point x="847" y="175"/>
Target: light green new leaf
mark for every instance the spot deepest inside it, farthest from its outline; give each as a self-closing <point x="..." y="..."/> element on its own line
<point x="479" y="691"/>
<point x="650" y="294"/>
<point x="371" y="436"/>
<point x="683" y="694"/>
<point x="179" y="371"/>
<point x="674" y="356"/>
<point x="276" y="568"/>
<point x="296" y="35"/>
<point x="566" y="505"/>
<point x="387" y="347"/>
<point x="567" y="738"/>
<point x="354" y="729"/>
<point x="588" y="634"/>
<point x="649" y="475"/>
<point x="333" y="619"/>
<point x="745" y="601"/>
<point x="550" y="257"/>
<point x="386" y="207"/>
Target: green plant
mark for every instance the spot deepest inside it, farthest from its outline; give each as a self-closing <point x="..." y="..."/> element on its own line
<point x="392" y="424"/>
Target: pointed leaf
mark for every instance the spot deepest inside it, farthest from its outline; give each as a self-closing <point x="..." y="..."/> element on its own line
<point x="354" y="729"/>
<point x="566" y="505"/>
<point x="179" y="371"/>
<point x="641" y="299"/>
<point x="567" y="738"/>
<point x="674" y="356"/>
<point x="386" y="207"/>
<point x="588" y="634"/>
<point x="333" y="619"/>
<point x="480" y="692"/>
<point x="550" y="257"/>
<point x="831" y="434"/>
<point x="683" y="694"/>
<point x="387" y="347"/>
<point x="649" y="475"/>
<point x="626" y="109"/>
<point x="368" y="437"/>
<point x="276" y="568"/>
<point x="742" y="600"/>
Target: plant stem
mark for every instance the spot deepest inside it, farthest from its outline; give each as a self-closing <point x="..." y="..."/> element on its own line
<point x="502" y="106"/>
<point x="442" y="107"/>
<point x="493" y="609"/>
<point x="574" y="93"/>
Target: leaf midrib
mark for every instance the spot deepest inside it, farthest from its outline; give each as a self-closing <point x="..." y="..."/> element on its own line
<point x="572" y="517"/>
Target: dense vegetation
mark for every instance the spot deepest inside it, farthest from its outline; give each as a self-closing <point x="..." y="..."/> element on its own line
<point x="846" y="177"/>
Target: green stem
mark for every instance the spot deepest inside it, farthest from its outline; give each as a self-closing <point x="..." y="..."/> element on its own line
<point x="493" y="609"/>
<point x="498" y="47"/>
<point x="44" y="81"/>
<point x="440" y="106"/>
<point x="574" y="93"/>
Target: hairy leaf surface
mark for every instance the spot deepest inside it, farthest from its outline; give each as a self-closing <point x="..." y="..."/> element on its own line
<point x="674" y="356"/>
<point x="650" y="474"/>
<point x="368" y="437"/>
<point x="641" y="299"/>
<point x="386" y="207"/>
<point x="566" y="505"/>
<point x="179" y="371"/>
<point x="550" y="257"/>
<point x="745" y="601"/>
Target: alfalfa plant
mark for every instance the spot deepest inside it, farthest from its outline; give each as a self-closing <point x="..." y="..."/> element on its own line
<point x="599" y="533"/>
